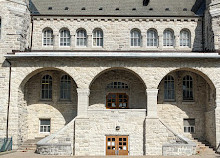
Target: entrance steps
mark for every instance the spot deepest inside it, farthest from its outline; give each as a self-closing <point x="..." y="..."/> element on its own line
<point x="30" y="144"/>
<point x="204" y="148"/>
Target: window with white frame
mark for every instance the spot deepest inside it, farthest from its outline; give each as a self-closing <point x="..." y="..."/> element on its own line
<point x="135" y="38"/>
<point x="185" y="38"/>
<point x="44" y="125"/>
<point x="152" y="38"/>
<point x="64" y="37"/>
<point x="169" y="91"/>
<point x="81" y="38"/>
<point x="187" y="88"/>
<point x="168" y="38"/>
<point x="65" y="87"/>
<point x="46" y="87"/>
<point x="118" y="85"/>
<point x="189" y="125"/>
<point x="98" y="38"/>
<point x="48" y="37"/>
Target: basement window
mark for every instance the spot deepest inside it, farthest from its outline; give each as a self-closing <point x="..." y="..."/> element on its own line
<point x="44" y="125"/>
<point x="50" y="8"/>
<point x="167" y="9"/>
<point x="100" y="8"/>
<point x="151" y="9"/>
<point x="189" y="125"/>
<point x="83" y="8"/>
<point x="185" y="9"/>
<point x="133" y="9"/>
<point x="66" y="8"/>
<point x="117" y="9"/>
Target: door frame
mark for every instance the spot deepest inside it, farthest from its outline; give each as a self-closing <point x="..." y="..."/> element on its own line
<point x="116" y="135"/>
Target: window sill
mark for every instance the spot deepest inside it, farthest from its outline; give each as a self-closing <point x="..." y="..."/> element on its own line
<point x="169" y="102"/>
<point x="47" y="101"/>
<point x="188" y="102"/>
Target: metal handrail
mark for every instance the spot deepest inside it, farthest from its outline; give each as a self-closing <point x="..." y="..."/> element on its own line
<point x="7" y="145"/>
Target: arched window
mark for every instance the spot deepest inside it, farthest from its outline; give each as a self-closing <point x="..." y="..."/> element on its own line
<point x="169" y="91"/>
<point x="187" y="88"/>
<point x="135" y="38"/>
<point x="81" y="38"/>
<point x="168" y="38"/>
<point x="46" y="87"/>
<point x="64" y="37"/>
<point x="117" y="101"/>
<point x="185" y="38"/>
<point x="117" y="85"/>
<point x="98" y="38"/>
<point x="48" y="37"/>
<point x="65" y="87"/>
<point x="152" y="38"/>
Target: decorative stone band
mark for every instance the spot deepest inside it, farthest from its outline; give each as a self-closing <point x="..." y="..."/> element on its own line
<point x="83" y="92"/>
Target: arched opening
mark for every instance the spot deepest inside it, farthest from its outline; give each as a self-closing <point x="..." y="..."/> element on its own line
<point x="186" y="103"/>
<point x="47" y="101"/>
<point x="117" y="88"/>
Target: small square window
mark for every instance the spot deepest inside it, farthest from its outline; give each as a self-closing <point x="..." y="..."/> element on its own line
<point x="189" y="125"/>
<point x="44" y="125"/>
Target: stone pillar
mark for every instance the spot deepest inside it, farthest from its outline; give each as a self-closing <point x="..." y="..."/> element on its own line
<point x="56" y="40"/>
<point x="89" y="40"/>
<point x="144" y="40"/>
<point x="152" y="103"/>
<point x="160" y="42"/>
<point x="83" y="102"/>
<point x="72" y="42"/>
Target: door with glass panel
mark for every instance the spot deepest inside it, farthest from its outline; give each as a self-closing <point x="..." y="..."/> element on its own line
<point x="117" y="101"/>
<point x="116" y="145"/>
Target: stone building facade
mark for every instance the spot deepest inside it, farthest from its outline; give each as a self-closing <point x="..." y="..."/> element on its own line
<point x="134" y="79"/>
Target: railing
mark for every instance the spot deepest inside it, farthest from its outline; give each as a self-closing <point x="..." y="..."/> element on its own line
<point x="5" y="144"/>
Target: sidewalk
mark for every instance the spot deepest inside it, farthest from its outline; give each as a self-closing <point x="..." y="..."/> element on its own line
<point x="31" y="154"/>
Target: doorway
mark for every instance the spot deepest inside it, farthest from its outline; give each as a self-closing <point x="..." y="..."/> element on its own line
<point x="116" y="145"/>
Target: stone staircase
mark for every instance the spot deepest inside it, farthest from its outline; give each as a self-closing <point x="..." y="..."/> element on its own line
<point x="204" y="148"/>
<point x="29" y="145"/>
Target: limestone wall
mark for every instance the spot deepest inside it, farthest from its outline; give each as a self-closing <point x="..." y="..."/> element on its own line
<point x="117" y="32"/>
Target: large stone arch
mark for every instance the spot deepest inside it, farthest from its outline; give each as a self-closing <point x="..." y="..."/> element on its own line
<point x="201" y="108"/>
<point x="31" y="108"/>
<point x="131" y="70"/>
<point x="136" y="90"/>
<point x="208" y="74"/>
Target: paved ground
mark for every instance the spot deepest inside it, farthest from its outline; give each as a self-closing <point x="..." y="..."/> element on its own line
<point x="31" y="154"/>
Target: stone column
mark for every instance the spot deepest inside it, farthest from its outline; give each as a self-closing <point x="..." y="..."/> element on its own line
<point x="56" y="40"/>
<point x="152" y="103"/>
<point x="160" y="42"/>
<point x="83" y="102"/>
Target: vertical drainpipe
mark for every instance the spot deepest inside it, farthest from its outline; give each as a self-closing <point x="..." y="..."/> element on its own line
<point x="9" y="97"/>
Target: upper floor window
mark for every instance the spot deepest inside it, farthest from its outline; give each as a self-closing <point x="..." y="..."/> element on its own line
<point x="168" y="38"/>
<point x="169" y="91"/>
<point x="81" y="38"/>
<point x="135" y="38"/>
<point x="65" y="87"/>
<point x="117" y="101"/>
<point x="48" y="37"/>
<point x="185" y="38"/>
<point x="46" y="87"/>
<point x="117" y="85"/>
<point x="64" y="37"/>
<point x="98" y="38"/>
<point x="187" y="88"/>
<point x="152" y="38"/>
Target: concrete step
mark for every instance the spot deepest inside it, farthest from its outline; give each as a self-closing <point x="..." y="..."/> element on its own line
<point x="29" y="145"/>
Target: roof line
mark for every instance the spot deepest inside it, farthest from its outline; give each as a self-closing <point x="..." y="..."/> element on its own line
<point x="113" y="54"/>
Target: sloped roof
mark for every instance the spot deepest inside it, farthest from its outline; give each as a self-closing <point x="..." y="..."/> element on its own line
<point x="108" y="7"/>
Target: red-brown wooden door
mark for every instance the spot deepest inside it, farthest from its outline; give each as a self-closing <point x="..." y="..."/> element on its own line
<point x="116" y="145"/>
